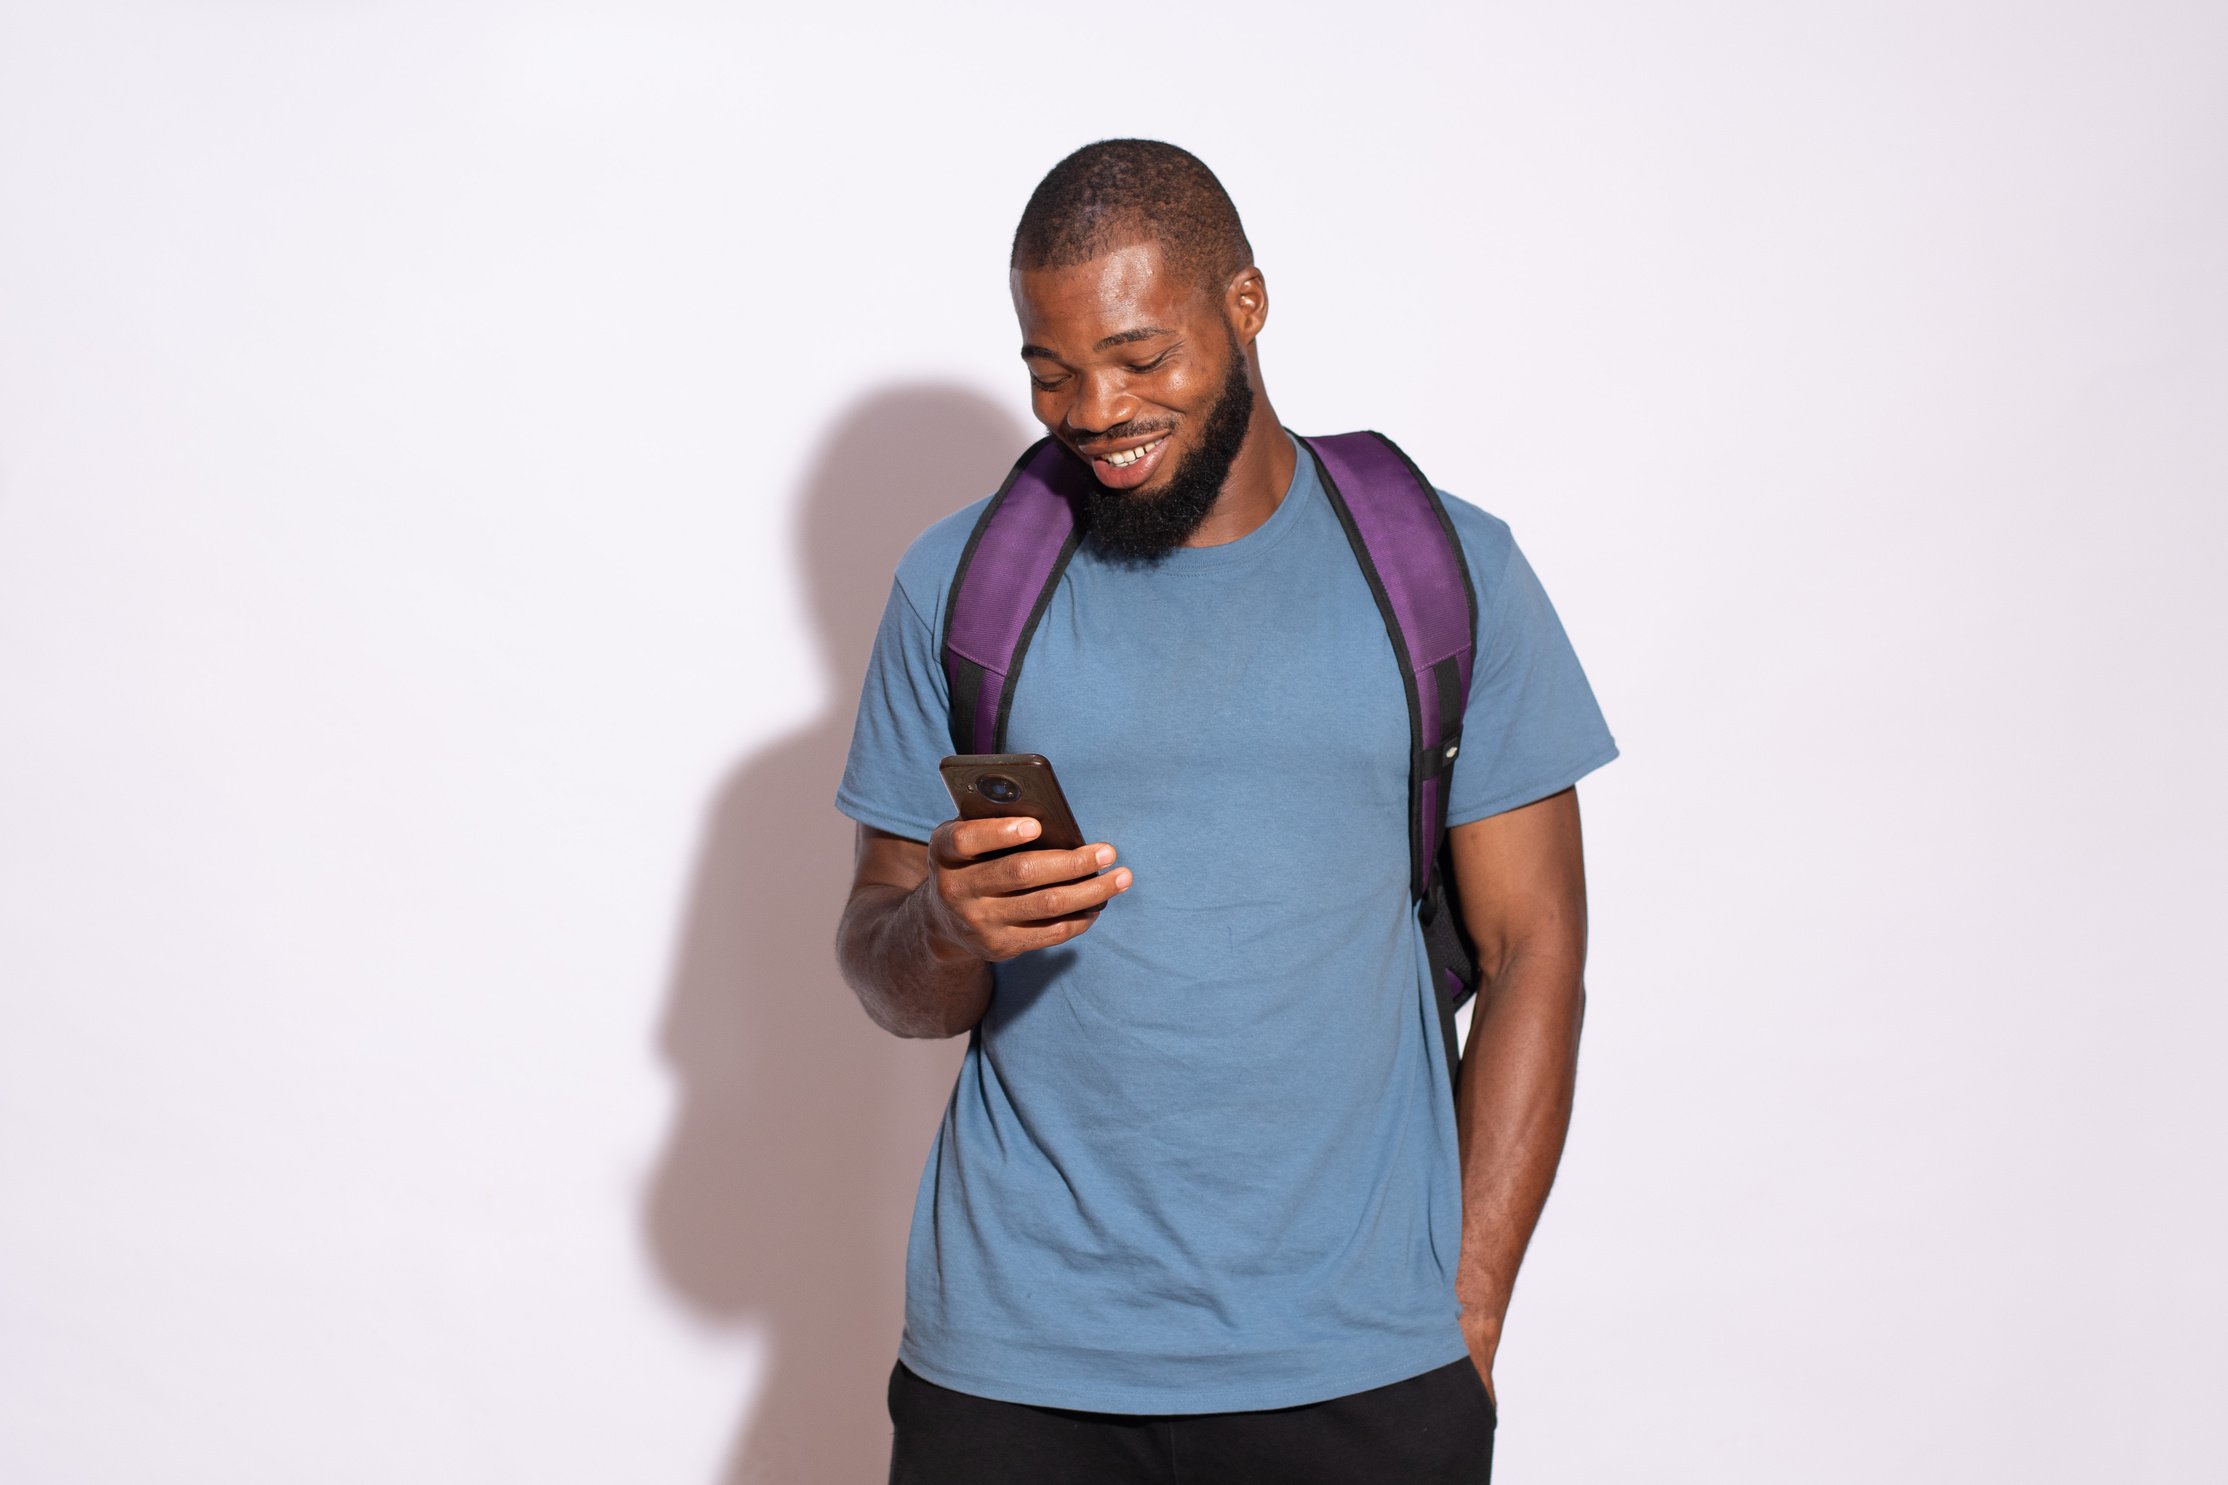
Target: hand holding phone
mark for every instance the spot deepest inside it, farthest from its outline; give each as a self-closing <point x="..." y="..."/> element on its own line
<point x="995" y="786"/>
<point x="1013" y="871"/>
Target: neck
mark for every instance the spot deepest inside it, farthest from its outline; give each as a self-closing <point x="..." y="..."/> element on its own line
<point x="1258" y="478"/>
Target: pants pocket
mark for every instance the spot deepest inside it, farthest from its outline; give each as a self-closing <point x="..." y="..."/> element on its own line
<point x="1477" y="1380"/>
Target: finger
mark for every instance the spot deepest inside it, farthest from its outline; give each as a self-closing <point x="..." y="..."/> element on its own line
<point x="1024" y="871"/>
<point x="1020" y="940"/>
<point x="966" y="840"/>
<point x="1067" y="899"/>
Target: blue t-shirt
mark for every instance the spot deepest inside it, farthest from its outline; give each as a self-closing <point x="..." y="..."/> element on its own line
<point x="1202" y="1158"/>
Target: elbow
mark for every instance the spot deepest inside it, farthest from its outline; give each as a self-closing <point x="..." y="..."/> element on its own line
<point x="903" y="1018"/>
<point x="1551" y="981"/>
<point x="879" y="981"/>
<point x="926" y="1030"/>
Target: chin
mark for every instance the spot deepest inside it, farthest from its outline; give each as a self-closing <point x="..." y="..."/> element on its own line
<point x="1171" y="470"/>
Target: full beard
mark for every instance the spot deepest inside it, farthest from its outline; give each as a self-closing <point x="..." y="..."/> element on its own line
<point x="1131" y="526"/>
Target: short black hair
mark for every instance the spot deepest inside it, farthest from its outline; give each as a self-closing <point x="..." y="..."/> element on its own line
<point x="1119" y="191"/>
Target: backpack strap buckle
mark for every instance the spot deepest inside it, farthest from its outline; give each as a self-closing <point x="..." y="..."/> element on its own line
<point x="1437" y="760"/>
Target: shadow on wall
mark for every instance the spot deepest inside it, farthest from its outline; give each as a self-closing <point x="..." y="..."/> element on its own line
<point x="787" y="1181"/>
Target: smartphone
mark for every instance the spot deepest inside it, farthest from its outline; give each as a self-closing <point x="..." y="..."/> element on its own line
<point x="989" y="786"/>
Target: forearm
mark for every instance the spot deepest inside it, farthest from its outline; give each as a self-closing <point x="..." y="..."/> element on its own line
<point x="1513" y="1106"/>
<point x="912" y="980"/>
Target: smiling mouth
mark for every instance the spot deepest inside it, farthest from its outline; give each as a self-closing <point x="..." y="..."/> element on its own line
<point x="1128" y="457"/>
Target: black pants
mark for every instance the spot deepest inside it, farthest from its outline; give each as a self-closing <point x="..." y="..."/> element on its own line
<point x="1432" y="1429"/>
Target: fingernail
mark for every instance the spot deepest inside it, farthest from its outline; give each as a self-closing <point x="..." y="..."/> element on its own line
<point x="1027" y="829"/>
<point x="1106" y="856"/>
<point x="1122" y="880"/>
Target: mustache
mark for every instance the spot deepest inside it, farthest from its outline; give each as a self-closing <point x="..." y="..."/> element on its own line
<point x="1119" y="432"/>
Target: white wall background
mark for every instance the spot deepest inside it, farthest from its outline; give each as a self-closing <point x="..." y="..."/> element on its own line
<point x="451" y="456"/>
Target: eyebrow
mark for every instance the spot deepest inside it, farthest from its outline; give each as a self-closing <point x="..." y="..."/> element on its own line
<point x="1146" y="332"/>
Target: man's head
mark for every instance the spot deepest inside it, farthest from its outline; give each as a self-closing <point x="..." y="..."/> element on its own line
<point x="1138" y="302"/>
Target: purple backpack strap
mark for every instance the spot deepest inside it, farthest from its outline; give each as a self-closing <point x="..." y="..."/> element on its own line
<point x="1020" y="545"/>
<point x="1408" y="549"/>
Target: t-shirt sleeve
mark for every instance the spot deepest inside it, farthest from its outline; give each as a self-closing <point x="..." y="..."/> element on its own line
<point x="903" y="729"/>
<point x="1532" y="727"/>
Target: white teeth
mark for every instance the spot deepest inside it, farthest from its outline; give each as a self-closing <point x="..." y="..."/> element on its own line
<point x="1131" y="456"/>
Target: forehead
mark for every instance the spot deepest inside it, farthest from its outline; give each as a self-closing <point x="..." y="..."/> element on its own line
<point x="1130" y="286"/>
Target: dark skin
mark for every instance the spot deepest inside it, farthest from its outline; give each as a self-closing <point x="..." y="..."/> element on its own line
<point x="1123" y="351"/>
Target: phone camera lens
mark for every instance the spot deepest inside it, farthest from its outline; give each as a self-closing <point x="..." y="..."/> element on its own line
<point x="999" y="788"/>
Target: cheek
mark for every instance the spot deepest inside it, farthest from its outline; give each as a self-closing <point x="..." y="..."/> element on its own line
<point x="1190" y="393"/>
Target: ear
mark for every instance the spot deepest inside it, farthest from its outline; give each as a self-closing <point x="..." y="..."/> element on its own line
<point x="1246" y="304"/>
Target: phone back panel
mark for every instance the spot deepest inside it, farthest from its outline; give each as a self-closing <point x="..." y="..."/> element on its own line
<point x="989" y="786"/>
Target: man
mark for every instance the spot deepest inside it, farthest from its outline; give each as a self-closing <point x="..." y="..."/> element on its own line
<point x="1203" y="1200"/>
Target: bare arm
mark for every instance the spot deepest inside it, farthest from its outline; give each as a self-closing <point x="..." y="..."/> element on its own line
<point x="926" y="920"/>
<point x="1521" y="879"/>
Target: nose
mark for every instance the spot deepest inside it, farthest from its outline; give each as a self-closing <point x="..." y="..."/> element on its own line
<point x="1101" y="402"/>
